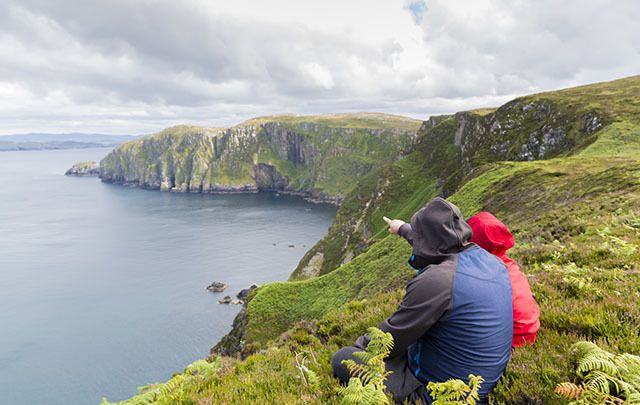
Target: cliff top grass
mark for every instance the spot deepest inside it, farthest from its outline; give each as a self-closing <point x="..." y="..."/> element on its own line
<point x="618" y="99"/>
<point x="344" y="120"/>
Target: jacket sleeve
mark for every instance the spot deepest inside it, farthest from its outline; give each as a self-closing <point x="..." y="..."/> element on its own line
<point x="363" y="341"/>
<point x="406" y="232"/>
<point x="427" y="299"/>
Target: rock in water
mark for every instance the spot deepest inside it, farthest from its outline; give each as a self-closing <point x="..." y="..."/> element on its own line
<point x="84" y="169"/>
<point x="244" y="293"/>
<point x="226" y="300"/>
<point x="217" y="286"/>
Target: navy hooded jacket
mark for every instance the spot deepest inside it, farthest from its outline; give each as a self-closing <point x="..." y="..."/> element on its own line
<point x="456" y="317"/>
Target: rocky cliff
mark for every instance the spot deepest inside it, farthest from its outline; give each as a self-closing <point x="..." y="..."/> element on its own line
<point x="450" y="149"/>
<point x="84" y="169"/>
<point x="320" y="157"/>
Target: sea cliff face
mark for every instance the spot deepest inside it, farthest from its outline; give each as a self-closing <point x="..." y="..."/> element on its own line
<point x="84" y="169"/>
<point x="320" y="157"/>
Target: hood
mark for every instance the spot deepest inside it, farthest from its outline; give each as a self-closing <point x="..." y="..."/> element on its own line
<point x="491" y="234"/>
<point x="439" y="231"/>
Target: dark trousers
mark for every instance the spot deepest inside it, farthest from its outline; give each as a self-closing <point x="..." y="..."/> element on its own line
<point x="401" y="383"/>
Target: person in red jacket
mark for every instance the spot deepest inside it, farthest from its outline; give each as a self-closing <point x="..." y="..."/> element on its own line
<point x="494" y="236"/>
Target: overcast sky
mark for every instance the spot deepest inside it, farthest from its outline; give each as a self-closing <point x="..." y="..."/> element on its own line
<point x="136" y="66"/>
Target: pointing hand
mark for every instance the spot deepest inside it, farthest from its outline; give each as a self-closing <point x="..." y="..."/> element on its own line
<point x="394" y="224"/>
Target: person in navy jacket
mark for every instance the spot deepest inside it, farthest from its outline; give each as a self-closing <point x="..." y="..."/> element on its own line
<point x="456" y="317"/>
<point x="492" y="235"/>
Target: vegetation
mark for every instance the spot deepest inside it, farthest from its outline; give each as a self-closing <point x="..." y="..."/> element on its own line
<point x="575" y="213"/>
<point x="456" y="392"/>
<point x="606" y="378"/>
<point x="193" y="380"/>
<point x="367" y="383"/>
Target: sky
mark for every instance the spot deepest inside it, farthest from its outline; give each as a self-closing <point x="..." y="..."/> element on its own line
<point x="137" y="66"/>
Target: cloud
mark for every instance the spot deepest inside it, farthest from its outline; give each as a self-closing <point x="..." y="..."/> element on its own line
<point x="139" y="65"/>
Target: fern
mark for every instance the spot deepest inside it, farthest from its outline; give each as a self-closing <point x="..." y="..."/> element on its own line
<point x="456" y="392"/>
<point x="367" y="383"/>
<point x="195" y="377"/>
<point x="607" y="378"/>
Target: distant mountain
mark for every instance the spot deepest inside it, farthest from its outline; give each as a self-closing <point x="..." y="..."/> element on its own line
<point x="41" y="141"/>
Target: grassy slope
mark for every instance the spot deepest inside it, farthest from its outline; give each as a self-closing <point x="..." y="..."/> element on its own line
<point x="491" y="135"/>
<point x="575" y="219"/>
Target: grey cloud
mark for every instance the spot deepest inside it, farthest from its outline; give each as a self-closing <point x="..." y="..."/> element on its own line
<point x="170" y="38"/>
<point x="511" y="46"/>
<point x="157" y="63"/>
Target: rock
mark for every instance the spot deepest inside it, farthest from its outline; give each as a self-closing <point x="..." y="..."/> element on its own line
<point x="84" y="169"/>
<point x="226" y="300"/>
<point x="268" y="178"/>
<point x="217" y="286"/>
<point x="292" y="246"/>
<point x="244" y="293"/>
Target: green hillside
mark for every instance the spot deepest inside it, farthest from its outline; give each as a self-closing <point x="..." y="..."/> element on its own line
<point x="561" y="169"/>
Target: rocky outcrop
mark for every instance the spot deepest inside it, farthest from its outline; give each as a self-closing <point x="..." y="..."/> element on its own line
<point x="217" y="286"/>
<point x="268" y="178"/>
<point x="228" y="300"/>
<point x="448" y="150"/>
<point x="244" y="293"/>
<point x="232" y="343"/>
<point x="84" y="169"/>
<point x="523" y="129"/>
<point x="318" y="157"/>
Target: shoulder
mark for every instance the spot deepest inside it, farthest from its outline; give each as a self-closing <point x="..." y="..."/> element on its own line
<point x="436" y="277"/>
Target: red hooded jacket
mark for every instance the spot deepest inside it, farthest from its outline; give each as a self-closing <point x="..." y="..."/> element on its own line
<point x="492" y="235"/>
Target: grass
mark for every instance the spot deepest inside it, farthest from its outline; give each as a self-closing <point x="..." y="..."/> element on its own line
<point x="575" y="216"/>
<point x="345" y="120"/>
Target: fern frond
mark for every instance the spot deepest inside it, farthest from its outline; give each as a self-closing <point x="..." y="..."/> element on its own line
<point x="591" y="357"/>
<point x="607" y="378"/>
<point x="456" y="391"/>
<point x="569" y="390"/>
<point x="366" y="385"/>
<point x="599" y="381"/>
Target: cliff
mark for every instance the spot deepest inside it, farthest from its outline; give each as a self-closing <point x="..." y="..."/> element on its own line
<point x="449" y="149"/>
<point x="320" y="157"/>
<point x="84" y="169"/>
<point x="561" y="169"/>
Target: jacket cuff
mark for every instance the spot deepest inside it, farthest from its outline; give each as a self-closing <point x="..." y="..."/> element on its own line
<point x="406" y="232"/>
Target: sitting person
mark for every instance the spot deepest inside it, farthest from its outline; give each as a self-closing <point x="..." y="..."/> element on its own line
<point x="456" y="317"/>
<point x="494" y="236"/>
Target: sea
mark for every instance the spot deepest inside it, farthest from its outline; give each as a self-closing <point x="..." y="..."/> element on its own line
<point x="102" y="287"/>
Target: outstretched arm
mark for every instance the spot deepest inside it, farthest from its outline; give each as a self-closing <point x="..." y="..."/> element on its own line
<point x="399" y="227"/>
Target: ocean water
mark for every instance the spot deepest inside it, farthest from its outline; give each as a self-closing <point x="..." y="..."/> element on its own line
<point x="102" y="287"/>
